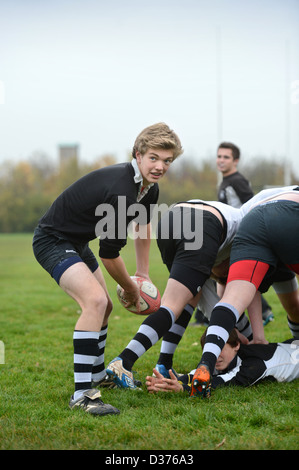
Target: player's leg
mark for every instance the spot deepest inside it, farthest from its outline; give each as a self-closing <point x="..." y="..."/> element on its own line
<point x="80" y="284"/>
<point x="171" y="341"/>
<point x="223" y="319"/>
<point x="173" y="337"/>
<point x="99" y="376"/>
<point x="286" y="245"/>
<point x="244" y="278"/>
<point x="290" y="302"/>
<point x="63" y="262"/>
<point x="238" y="295"/>
<point x="175" y="297"/>
<point x="83" y="286"/>
<point x="191" y="268"/>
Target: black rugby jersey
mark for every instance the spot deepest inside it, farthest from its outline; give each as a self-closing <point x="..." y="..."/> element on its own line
<point x="234" y="190"/>
<point x="77" y="213"/>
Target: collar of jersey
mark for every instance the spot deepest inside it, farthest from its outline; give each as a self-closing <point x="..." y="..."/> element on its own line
<point x="138" y="176"/>
<point x="139" y="179"/>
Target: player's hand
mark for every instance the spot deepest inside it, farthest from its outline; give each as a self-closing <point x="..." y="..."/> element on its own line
<point x="132" y="297"/>
<point x="242" y="338"/>
<point x="259" y="341"/>
<point x="161" y="384"/>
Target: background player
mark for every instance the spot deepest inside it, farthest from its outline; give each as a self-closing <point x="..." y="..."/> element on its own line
<point x="234" y="190"/>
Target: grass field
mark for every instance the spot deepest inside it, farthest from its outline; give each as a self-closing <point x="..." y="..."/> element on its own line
<point x="36" y="379"/>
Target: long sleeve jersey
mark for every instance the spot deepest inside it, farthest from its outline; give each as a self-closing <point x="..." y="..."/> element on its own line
<point x="100" y="205"/>
<point x="234" y="190"/>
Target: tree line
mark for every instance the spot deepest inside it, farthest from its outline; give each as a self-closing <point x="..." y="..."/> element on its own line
<point x="27" y="188"/>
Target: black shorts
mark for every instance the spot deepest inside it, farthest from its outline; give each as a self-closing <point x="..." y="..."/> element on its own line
<point x="56" y="254"/>
<point x="188" y="260"/>
<point x="278" y="277"/>
<point x="268" y="234"/>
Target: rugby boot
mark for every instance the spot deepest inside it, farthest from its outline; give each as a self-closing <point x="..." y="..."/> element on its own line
<point x="201" y="382"/>
<point x="122" y="377"/>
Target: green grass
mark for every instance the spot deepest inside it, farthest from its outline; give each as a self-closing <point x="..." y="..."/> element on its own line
<point x="36" y="326"/>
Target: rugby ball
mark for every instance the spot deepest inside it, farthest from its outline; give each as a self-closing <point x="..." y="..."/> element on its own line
<point x="150" y="298"/>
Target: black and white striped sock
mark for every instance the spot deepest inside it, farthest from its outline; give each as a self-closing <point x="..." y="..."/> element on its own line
<point x="86" y="351"/>
<point x="172" y="338"/>
<point x="223" y="320"/>
<point x="98" y="368"/>
<point x="150" y="331"/>
<point x="294" y="328"/>
<point x="243" y="326"/>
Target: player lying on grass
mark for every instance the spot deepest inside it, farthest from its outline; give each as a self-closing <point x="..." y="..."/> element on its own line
<point x="78" y="216"/>
<point x="190" y="262"/>
<point x="267" y="236"/>
<point x="285" y="284"/>
<point x="238" y="364"/>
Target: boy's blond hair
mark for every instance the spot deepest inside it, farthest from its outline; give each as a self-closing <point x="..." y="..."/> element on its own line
<point x="157" y="136"/>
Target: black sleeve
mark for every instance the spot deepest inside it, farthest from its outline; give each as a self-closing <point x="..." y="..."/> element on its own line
<point x="112" y="227"/>
<point x="235" y="186"/>
<point x="244" y="191"/>
<point x="186" y="381"/>
<point x="248" y="373"/>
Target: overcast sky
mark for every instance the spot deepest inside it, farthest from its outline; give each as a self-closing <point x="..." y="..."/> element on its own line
<point x="97" y="72"/>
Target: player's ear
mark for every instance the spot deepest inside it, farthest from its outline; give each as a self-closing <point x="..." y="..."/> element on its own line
<point x="138" y="156"/>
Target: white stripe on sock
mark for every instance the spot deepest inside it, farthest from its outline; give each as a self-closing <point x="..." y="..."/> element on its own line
<point x="137" y="347"/>
<point x="86" y="334"/>
<point x="212" y="348"/>
<point x="149" y="332"/>
<point x="177" y="329"/>
<point x="218" y="331"/>
<point x="168" y="348"/>
<point x="84" y="359"/>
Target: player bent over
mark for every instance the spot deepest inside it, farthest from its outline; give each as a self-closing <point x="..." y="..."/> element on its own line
<point x="267" y="235"/>
<point x="61" y="240"/>
<point x="190" y="264"/>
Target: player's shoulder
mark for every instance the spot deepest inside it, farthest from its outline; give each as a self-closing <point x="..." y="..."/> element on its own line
<point x="113" y="175"/>
<point x="237" y="176"/>
<point x="117" y="168"/>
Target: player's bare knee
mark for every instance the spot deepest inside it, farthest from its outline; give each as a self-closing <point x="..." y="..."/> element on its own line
<point x="98" y="303"/>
